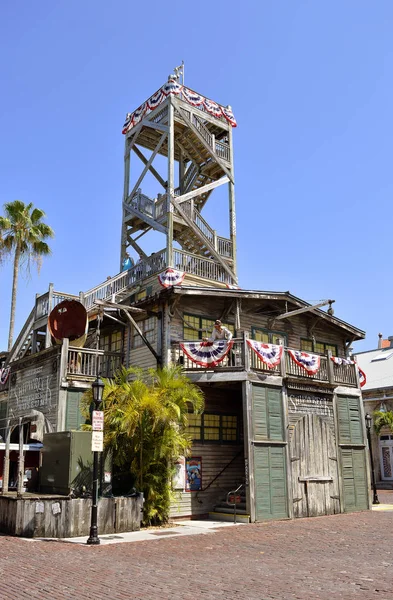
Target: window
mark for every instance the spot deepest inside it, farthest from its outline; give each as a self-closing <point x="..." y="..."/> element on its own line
<point x="319" y="347"/>
<point x="196" y="327"/>
<point x="141" y="295"/>
<point x="211" y="427"/>
<point x="112" y="341"/>
<point x="148" y="328"/>
<point x="269" y="337"/>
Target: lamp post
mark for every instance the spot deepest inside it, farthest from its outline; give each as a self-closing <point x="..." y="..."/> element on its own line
<point x="369" y="420"/>
<point x="98" y="389"/>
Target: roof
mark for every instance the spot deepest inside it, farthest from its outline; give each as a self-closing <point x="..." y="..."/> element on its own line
<point x="354" y="332"/>
<point x="378" y="367"/>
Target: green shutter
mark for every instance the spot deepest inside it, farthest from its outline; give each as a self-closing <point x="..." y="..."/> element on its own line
<point x="267" y="413"/>
<point x="354" y="479"/>
<point x="349" y="420"/>
<point x="74" y="418"/>
<point x="270" y="483"/>
<point x="275" y="428"/>
<point x="259" y="412"/>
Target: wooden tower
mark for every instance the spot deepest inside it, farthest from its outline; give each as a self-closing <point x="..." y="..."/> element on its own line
<point x="194" y="134"/>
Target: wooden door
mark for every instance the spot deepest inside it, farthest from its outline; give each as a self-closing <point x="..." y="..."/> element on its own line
<point x="314" y="468"/>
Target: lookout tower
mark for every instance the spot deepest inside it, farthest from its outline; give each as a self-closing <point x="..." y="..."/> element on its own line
<point x="194" y="135"/>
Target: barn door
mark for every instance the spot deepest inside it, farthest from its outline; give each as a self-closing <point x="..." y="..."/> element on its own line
<point x="314" y="468"/>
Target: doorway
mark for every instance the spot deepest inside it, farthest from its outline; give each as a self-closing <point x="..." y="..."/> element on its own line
<point x="386" y="457"/>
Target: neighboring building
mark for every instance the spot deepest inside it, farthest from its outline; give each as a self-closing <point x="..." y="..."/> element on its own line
<point x="378" y="396"/>
<point x="280" y="415"/>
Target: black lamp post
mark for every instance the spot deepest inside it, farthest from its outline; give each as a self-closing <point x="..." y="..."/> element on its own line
<point x="369" y="421"/>
<point x="98" y="389"/>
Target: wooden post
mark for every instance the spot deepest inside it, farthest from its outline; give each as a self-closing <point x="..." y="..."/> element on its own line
<point x="21" y="460"/>
<point x="170" y="185"/>
<point x="246" y="352"/>
<point x="283" y="364"/>
<point x="126" y="191"/>
<point x="248" y="448"/>
<point x="232" y="208"/>
<point x="48" y="340"/>
<point x="6" y="467"/>
<point x="330" y="370"/>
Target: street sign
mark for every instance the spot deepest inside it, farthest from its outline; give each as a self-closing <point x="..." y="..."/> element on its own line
<point x="97" y="441"/>
<point x="98" y="420"/>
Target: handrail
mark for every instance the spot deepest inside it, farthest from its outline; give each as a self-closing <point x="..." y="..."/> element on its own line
<point x="234" y="492"/>
<point x="222" y="471"/>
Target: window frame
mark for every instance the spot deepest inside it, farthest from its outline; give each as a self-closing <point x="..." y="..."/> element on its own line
<point x="270" y="333"/>
<point x="201" y="333"/>
<point x="313" y="345"/>
<point x="202" y="439"/>
<point x="146" y="331"/>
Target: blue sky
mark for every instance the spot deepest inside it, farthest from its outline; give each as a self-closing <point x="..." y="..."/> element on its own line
<point x="310" y="85"/>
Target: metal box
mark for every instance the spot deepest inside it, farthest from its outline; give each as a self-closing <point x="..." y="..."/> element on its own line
<point x="66" y="458"/>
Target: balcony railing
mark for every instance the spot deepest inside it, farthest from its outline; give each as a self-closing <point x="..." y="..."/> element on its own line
<point x="242" y="357"/>
<point x="85" y="363"/>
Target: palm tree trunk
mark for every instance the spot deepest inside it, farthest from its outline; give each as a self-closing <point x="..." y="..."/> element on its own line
<point x="13" y="297"/>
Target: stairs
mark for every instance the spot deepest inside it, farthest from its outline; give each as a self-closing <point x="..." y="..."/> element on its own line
<point x="232" y="508"/>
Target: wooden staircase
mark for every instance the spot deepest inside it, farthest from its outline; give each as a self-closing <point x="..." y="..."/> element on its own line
<point x="233" y="507"/>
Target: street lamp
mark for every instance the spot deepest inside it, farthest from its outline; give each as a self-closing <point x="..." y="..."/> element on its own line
<point x="369" y="420"/>
<point x="98" y="389"/>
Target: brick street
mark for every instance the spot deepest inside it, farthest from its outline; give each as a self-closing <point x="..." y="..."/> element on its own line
<point x="342" y="556"/>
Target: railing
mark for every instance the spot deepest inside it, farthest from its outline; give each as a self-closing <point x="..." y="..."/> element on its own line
<point x="223" y="151"/>
<point x="202" y="267"/>
<point x="224" y="247"/>
<point x="190" y="175"/>
<point x="236" y="359"/>
<point x="345" y="374"/>
<point x="203" y="131"/>
<point x="295" y="370"/>
<point x="105" y="290"/>
<point x="84" y="362"/>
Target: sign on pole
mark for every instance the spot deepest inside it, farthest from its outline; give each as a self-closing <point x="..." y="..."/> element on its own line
<point x="98" y="420"/>
<point x="97" y="441"/>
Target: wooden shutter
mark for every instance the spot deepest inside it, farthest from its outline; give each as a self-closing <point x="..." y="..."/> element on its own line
<point x="270" y="482"/>
<point x="74" y="418"/>
<point x="267" y="413"/>
<point x="349" y="420"/>
<point x="354" y="479"/>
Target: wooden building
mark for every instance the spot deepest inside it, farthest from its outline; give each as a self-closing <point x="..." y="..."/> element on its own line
<point x="283" y="415"/>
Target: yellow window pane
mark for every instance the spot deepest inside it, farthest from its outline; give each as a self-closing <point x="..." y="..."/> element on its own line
<point x="261" y="336"/>
<point x="210" y="433"/>
<point x="212" y="420"/>
<point x="141" y="295"/>
<point x="194" y="420"/>
<point x="319" y="347"/>
<point x="306" y="345"/>
<point x="332" y="349"/>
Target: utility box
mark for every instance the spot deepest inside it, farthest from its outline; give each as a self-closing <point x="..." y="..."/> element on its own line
<point x="66" y="462"/>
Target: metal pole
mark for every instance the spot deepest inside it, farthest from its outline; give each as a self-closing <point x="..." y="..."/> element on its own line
<point x="375" y="495"/>
<point x="93" y="537"/>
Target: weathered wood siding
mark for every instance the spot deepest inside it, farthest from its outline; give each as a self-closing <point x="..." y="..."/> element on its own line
<point x="295" y="329"/>
<point x="34" y="384"/>
<point x="60" y="517"/>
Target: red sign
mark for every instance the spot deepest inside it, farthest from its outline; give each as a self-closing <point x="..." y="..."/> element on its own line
<point x="98" y="420"/>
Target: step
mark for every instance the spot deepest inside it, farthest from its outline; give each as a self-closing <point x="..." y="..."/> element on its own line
<point x="218" y="516"/>
<point x="222" y="508"/>
<point x="224" y="505"/>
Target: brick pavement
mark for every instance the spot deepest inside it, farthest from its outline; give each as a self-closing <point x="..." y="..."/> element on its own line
<point x="337" y="557"/>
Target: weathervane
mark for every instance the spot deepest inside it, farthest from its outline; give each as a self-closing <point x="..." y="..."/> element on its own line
<point x="178" y="73"/>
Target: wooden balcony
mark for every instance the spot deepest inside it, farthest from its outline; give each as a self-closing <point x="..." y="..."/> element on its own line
<point x="243" y="358"/>
<point x="86" y="363"/>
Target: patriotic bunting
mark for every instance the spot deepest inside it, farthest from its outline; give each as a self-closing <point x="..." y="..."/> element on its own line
<point x="172" y="87"/>
<point x="171" y="277"/>
<point x="232" y="287"/>
<point x="270" y="354"/>
<point x="362" y="377"/>
<point x="207" y="354"/>
<point x="308" y="362"/>
<point x="213" y="108"/>
<point x="341" y="361"/>
<point x="155" y="100"/>
<point x="192" y="97"/>
<point x="4" y="374"/>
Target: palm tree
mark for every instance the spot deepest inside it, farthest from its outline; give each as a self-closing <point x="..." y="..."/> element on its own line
<point x="383" y="419"/>
<point x="145" y="429"/>
<point x="22" y="233"/>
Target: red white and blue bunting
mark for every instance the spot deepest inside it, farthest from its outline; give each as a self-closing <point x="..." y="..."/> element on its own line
<point x="362" y="377"/>
<point x="207" y="354"/>
<point x="171" y="277"/>
<point x="232" y="287"/>
<point x="270" y="354"/>
<point x="308" y="362"/>
<point x="4" y="374"/>
<point x="175" y="88"/>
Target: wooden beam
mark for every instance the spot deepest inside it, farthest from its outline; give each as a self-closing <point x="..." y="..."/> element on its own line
<point x="143" y="217"/>
<point x="148" y="165"/>
<point x="157" y="126"/>
<point x="136" y="247"/>
<point x="107" y="304"/>
<point x="151" y="168"/>
<point x="302" y="310"/>
<point x="201" y="190"/>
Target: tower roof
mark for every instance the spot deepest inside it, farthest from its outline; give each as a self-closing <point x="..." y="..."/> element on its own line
<point x="174" y="88"/>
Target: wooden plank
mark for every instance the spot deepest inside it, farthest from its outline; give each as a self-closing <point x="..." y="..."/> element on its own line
<point x="151" y="168"/>
<point x="201" y="190"/>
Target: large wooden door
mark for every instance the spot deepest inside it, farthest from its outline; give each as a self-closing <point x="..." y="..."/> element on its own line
<point x="314" y="468"/>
